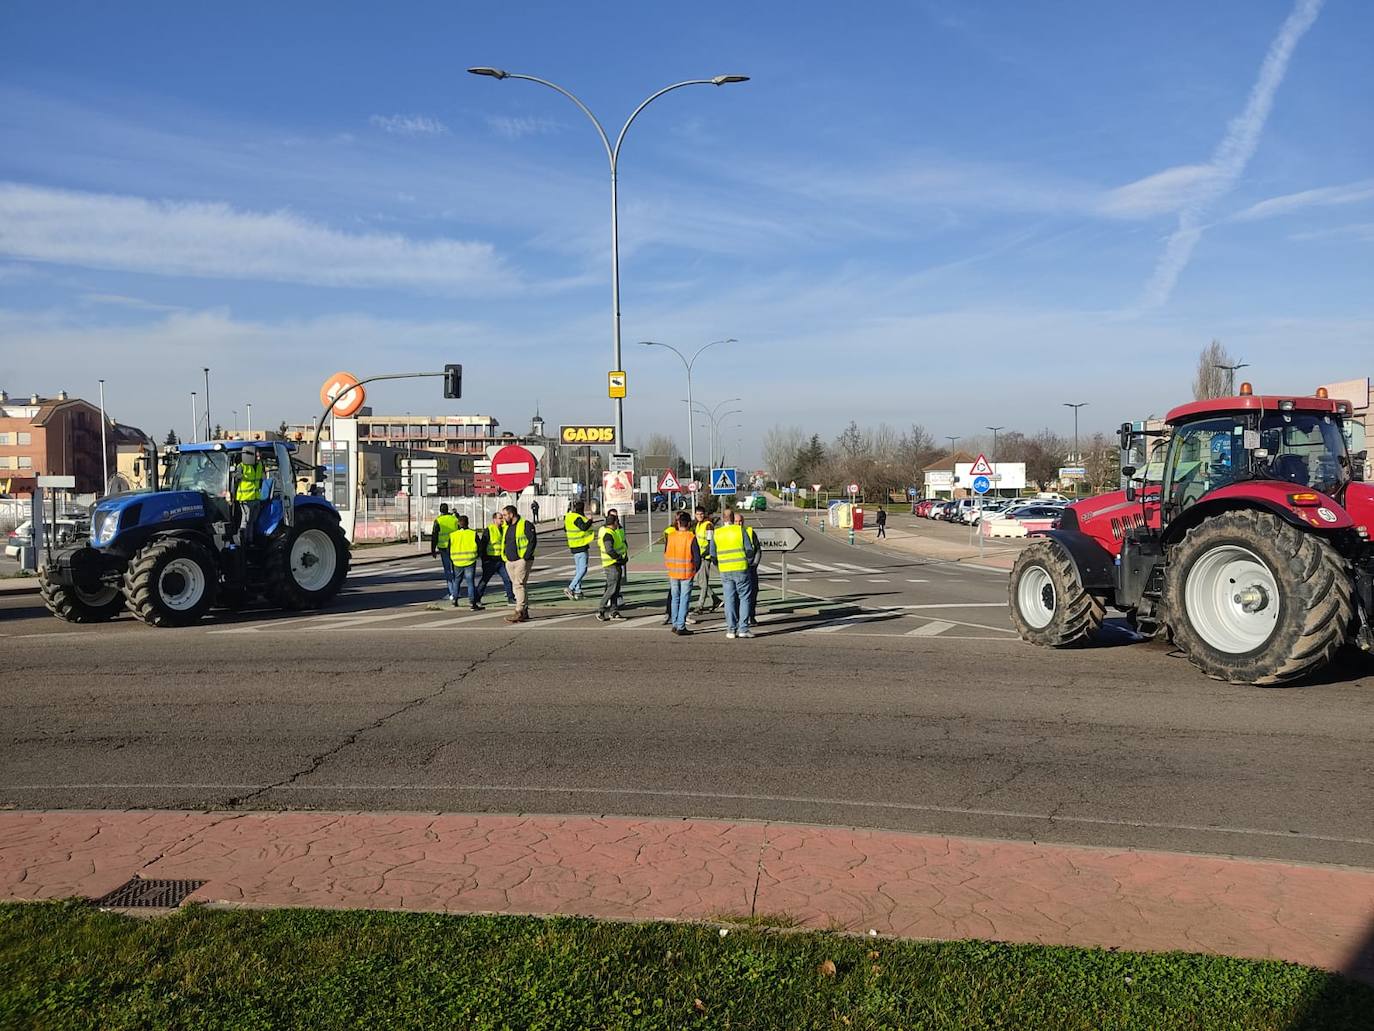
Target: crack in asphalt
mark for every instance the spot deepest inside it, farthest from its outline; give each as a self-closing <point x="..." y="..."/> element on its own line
<point x="352" y="736"/>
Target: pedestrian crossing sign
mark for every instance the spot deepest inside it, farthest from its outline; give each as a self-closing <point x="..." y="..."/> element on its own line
<point x="724" y="481"/>
<point x="981" y="467"/>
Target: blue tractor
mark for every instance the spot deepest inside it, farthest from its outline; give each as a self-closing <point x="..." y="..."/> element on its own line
<point x="170" y="553"/>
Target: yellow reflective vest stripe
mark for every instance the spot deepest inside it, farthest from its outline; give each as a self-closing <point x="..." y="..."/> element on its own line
<point x="730" y="557"/>
<point x="496" y="540"/>
<point x="522" y="538"/>
<point x="462" y="545"/>
<point x="611" y="552"/>
<point x="704" y="535"/>
<point x="447" y="523"/>
<point x="577" y="538"/>
<point x="250" y="482"/>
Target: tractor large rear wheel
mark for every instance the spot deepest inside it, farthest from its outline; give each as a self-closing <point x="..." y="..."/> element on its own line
<point x="309" y="562"/>
<point x="77" y="605"/>
<point x="1049" y="606"/>
<point x="1252" y="599"/>
<point x="171" y="582"/>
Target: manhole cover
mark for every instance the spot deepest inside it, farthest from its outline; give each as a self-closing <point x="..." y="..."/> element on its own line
<point x="138" y="893"/>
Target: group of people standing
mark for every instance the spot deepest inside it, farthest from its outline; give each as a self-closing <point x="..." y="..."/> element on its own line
<point x="506" y="548"/>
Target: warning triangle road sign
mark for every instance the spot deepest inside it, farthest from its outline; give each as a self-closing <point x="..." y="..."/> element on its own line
<point x="981" y="467"/>
<point x="668" y="484"/>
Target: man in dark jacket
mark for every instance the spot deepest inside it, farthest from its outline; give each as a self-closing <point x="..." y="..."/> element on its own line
<point x="519" y="544"/>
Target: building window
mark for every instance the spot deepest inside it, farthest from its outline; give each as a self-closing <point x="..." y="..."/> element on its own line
<point x="6" y="462"/>
<point x="25" y="438"/>
<point x="25" y="462"/>
<point x="5" y="439"/>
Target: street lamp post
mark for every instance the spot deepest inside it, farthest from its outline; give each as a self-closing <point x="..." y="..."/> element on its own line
<point x="104" y="453"/>
<point x="1075" y="407"/>
<point x="208" y="433"/>
<point x="687" y="364"/>
<point x="613" y="156"/>
<point x="249" y="406"/>
<point x="952" y="453"/>
<point x="1231" y="375"/>
<point x="194" y="417"/>
<point x="997" y="479"/>
<point x="713" y="416"/>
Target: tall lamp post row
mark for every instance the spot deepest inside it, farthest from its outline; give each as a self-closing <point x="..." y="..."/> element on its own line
<point x="688" y="363"/>
<point x="613" y="157"/>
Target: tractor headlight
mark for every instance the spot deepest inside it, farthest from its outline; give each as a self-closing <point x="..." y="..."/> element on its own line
<point x="106" y="528"/>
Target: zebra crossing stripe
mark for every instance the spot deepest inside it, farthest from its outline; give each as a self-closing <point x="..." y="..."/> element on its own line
<point x="834" y="625"/>
<point x="932" y="629"/>
<point x="852" y="568"/>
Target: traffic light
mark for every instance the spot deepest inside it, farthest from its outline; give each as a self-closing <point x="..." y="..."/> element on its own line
<point x="453" y="381"/>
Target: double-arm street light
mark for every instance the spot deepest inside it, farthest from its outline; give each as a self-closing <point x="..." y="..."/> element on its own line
<point x="687" y="364"/>
<point x="1231" y="375"/>
<point x="1075" y="407"/>
<point x="995" y="431"/>
<point x="714" y="417"/>
<point x="613" y="156"/>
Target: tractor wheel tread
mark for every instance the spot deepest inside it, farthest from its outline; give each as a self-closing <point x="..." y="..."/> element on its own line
<point x="1315" y="615"/>
<point x="282" y="589"/>
<point x="140" y="583"/>
<point x="64" y="603"/>
<point x="1080" y="613"/>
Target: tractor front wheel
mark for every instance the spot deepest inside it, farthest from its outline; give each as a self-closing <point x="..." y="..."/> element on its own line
<point x="308" y="562"/>
<point x="1049" y="607"/>
<point x="1252" y="599"/>
<point x="77" y="605"/>
<point x="171" y="582"/>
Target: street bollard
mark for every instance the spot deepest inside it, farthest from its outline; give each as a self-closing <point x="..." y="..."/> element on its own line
<point x="851" y="535"/>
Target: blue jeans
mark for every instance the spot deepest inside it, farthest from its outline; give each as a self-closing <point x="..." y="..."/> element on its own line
<point x="446" y="560"/>
<point x="468" y="575"/>
<point x="490" y="567"/>
<point x="739" y="598"/>
<point x="680" y="598"/>
<point x="579" y="570"/>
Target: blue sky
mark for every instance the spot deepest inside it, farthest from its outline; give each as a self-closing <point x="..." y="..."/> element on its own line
<point x="936" y="212"/>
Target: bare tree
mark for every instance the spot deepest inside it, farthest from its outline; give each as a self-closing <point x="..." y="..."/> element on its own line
<point x="782" y="448"/>
<point x="1044" y="454"/>
<point x="851" y="442"/>
<point x="660" y="452"/>
<point x="1211" y="380"/>
<point x="1102" y="458"/>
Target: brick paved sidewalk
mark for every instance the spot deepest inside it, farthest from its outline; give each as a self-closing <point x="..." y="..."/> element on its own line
<point x="623" y="868"/>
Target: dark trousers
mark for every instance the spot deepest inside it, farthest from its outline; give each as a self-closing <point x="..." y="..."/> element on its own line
<point x="882" y="529"/>
<point x="491" y="567"/>
<point x="610" y="598"/>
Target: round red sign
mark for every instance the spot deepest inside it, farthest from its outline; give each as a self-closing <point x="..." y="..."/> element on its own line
<point x="512" y="468"/>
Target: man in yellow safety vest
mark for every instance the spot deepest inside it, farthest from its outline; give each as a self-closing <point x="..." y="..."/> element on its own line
<point x="517" y="548"/>
<point x="732" y="549"/>
<point x="439" y="534"/>
<point x="578" y="529"/>
<point x="615" y="556"/>
<point x="249" y="478"/>
<point x="493" y="544"/>
<point x="462" y="545"/>
<point x="707" y="601"/>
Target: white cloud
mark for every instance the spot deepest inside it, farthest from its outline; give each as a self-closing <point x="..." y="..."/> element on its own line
<point x="1326" y="196"/>
<point x="108" y="231"/>
<point x="1161" y="193"/>
<point x="515" y="128"/>
<point x="1233" y="153"/>
<point x="1355" y="231"/>
<point x="409" y="125"/>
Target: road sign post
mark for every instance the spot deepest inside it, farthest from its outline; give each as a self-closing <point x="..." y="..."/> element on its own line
<point x="779" y="539"/>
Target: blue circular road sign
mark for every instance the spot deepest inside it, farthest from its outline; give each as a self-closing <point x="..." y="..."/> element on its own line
<point x="981" y="485"/>
<point x="911" y="492"/>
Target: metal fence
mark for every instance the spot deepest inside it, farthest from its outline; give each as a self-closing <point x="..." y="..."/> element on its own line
<point x="396" y="519"/>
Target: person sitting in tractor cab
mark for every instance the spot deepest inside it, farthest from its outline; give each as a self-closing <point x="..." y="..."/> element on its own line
<point x="248" y="481"/>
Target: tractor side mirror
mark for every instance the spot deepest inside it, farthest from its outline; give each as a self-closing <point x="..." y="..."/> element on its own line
<point x="1128" y="471"/>
<point x="1125" y="435"/>
<point x="319" y="474"/>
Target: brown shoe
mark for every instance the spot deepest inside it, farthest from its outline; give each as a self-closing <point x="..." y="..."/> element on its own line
<point x="524" y="617"/>
<point x="514" y="617"/>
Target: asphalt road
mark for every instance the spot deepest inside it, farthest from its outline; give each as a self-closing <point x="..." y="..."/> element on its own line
<point x="920" y="711"/>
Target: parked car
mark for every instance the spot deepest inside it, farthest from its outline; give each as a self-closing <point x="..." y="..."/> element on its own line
<point x="1041" y="511"/>
<point x="756" y="502"/>
<point x="68" y="531"/>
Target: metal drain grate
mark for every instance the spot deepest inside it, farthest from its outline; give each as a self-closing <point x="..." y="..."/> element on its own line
<point x="138" y="893"/>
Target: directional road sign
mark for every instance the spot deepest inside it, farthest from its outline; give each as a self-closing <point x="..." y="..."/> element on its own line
<point x="622" y="461"/>
<point x="981" y="485"/>
<point x="513" y="468"/>
<point x="724" y="481"/>
<point x="778" y="538"/>
<point x="982" y="467"/>
<point x="668" y="483"/>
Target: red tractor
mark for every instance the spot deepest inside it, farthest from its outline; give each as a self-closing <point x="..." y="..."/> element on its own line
<point x="1250" y="548"/>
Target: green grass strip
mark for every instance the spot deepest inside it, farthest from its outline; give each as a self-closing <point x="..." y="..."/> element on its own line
<point x="64" y="965"/>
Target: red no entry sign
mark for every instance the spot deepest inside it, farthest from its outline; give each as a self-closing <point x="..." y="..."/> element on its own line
<point x="512" y="468"/>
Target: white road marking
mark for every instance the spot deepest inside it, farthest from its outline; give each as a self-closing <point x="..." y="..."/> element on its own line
<point x="850" y="567"/>
<point x="349" y="624"/>
<point x="837" y="580"/>
<point x="960" y="605"/>
<point x="932" y="629"/>
<point x="918" y="581"/>
<point x="878" y="580"/>
<point x="834" y="625"/>
<point x="817" y="567"/>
